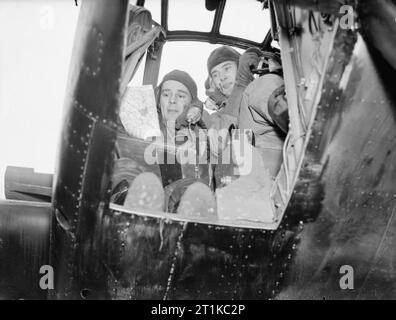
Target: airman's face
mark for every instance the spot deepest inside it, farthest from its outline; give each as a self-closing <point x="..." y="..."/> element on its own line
<point x="174" y="97"/>
<point x="223" y="76"/>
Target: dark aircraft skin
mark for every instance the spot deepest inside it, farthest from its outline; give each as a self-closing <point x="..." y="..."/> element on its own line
<point x="341" y="210"/>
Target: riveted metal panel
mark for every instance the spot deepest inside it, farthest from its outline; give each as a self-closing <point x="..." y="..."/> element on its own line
<point x="87" y="149"/>
<point x="346" y="191"/>
<point x="157" y="258"/>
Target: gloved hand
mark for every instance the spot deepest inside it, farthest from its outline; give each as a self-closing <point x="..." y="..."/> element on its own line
<point x="191" y="115"/>
<point x="211" y="105"/>
<point x="216" y="96"/>
<point x="247" y="62"/>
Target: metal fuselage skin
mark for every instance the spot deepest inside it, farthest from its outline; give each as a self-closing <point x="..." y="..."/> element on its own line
<point x="341" y="211"/>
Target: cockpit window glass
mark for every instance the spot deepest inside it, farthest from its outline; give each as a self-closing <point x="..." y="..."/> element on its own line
<point x="189" y="15"/>
<point x="245" y="19"/>
<point x="154" y="6"/>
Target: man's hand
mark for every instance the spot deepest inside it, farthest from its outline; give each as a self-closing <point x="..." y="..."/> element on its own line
<point x="216" y="96"/>
<point x="248" y="61"/>
<point x="211" y="105"/>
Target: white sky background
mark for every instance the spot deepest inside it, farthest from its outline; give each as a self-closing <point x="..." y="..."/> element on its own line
<point x="36" y="40"/>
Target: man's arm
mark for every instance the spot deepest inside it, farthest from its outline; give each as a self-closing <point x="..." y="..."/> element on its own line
<point x="244" y="77"/>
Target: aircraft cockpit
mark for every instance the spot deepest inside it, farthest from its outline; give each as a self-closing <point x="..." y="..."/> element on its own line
<point x="160" y="191"/>
<point x="161" y="37"/>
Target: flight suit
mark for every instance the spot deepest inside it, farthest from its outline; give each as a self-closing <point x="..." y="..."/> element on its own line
<point x="254" y="114"/>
